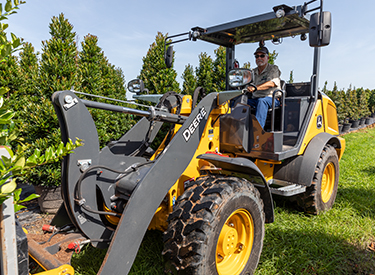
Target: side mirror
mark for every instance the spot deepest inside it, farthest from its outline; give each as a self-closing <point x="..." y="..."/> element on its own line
<point x="315" y="23"/>
<point x="239" y="77"/>
<point x="168" y="58"/>
<point x="136" y="86"/>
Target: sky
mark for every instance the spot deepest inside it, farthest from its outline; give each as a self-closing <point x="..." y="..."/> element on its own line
<point x="126" y="29"/>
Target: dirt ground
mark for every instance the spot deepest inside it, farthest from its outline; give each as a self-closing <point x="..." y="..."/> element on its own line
<point x="32" y="219"/>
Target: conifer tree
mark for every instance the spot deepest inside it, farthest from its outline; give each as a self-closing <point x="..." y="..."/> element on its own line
<point x="219" y="65"/>
<point x="157" y="77"/>
<point x="190" y="81"/>
<point x="204" y="73"/>
<point x="90" y="59"/>
<point x="29" y="70"/>
<point x="58" y="67"/>
<point x="99" y="77"/>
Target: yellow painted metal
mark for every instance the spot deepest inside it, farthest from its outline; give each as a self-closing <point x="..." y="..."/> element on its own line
<point x="328" y="182"/>
<point x="330" y="121"/>
<point x="235" y="243"/>
<point x="61" y="270"/>
<point x="312" y="129"/>
<point x="267" y="167"/>
<point x="340" y="151"/>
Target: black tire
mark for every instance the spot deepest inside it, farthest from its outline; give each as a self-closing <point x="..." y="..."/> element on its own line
<point x="321" y="195"/>
<point x="215" y="208"/>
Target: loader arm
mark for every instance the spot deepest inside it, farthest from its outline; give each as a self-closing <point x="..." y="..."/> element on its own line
<point x="152" y="189"/>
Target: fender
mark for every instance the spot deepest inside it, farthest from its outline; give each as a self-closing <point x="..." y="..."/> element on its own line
<point x="245" y="168"/>
<point x="301" y="169"/>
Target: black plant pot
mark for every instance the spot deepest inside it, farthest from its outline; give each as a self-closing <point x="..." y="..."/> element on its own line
<point x="362" y="121"/>
<point x="369" y="120"/>
<point x="355" y="123"/>
<point x="346" y="127"/>
<point x="340" y="128"/>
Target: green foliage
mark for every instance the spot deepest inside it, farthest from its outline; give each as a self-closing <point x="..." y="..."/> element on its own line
<point x="219" y="67"/>
<point x="190" y="81"/>
<point x="157" y="77"/>
<point x="58" y="66"/>
<point x="352" y="104"/>
<point x="9" y="74"/>
<point x="204" y="73"/>
<point x="371" y="101"/>
<point x="363" y="97"/>
<point x="272" y="57"/>
<point x="247" y="65"/>
<point x="291" y="79"/>
<point x="36" y="118"/>
<point x="7" y="47"/>
<point x="29" y="66"/>
<point x="91" y="60"/>
<point x="99" y="77"/>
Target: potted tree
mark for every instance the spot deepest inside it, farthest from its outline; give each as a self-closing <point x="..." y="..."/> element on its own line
<point x="352" y="108"/>
<point x="371" y="103"/>
<point x="362" y="96"/>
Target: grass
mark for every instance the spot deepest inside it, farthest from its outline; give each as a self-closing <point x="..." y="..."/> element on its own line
<point x="335" y="242"/>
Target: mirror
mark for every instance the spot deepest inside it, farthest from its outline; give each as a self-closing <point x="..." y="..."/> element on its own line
<point x="169" y="57"/>
<point x="136" y="86"/>
<point x="314" y="38"/>
<point x="239" y="77"/>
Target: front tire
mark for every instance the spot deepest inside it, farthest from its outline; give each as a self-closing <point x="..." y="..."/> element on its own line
<point x="217" y="227"/>
<point x="321" y="195"/>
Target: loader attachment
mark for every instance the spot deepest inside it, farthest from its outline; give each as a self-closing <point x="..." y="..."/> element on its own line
<point x="93" y="178"/>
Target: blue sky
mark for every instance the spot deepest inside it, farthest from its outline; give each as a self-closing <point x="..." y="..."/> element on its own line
<point x="126" y="29"/>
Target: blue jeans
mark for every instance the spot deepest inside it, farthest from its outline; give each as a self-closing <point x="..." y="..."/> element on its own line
<point x="262" y="104"/>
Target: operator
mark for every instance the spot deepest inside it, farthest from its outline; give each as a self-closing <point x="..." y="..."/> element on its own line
<point x="266" y="80"/>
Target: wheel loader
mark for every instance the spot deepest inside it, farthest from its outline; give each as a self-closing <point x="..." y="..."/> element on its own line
<point x="209" y="186"/>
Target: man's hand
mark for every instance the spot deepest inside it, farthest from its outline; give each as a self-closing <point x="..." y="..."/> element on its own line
<point x="250" y="89"/>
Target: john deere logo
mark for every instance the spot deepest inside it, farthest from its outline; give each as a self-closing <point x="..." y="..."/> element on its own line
<point x="319" y="122"/>
<point x="194" y="125"/>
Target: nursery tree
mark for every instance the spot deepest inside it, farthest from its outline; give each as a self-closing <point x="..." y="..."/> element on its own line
<point x="90" y="63"/>
<point x="18" y="164"/>
<point x="219" y="67"/>
<point x="29" y="67"/>
<point x="10" y="74"/>
<point x="59" y="62"/>
<point x="363" y="97"/>
<point x="58" y="71"/>
<point x="99" y="77"/>
<point x="190" y="81"/>
<point x="157" y="77"/>
<point x="204" y="73"/>
<point x="352" y="104"/>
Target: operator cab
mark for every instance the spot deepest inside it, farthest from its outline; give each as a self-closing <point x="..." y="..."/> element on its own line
<point x="283" y="133"/>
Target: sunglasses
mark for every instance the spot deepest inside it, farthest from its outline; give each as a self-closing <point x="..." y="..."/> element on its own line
<point x="260" y="55"/>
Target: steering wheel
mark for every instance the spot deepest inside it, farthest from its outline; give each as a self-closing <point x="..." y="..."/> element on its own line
<point x="252" y="85"/>
<point x="250" y="94"/>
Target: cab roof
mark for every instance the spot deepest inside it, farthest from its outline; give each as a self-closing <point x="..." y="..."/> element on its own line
<point x="258" y="28"/>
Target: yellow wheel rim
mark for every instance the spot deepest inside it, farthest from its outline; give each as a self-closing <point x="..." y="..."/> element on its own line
<point x="328" y="182"/>
<point x="235" y="243"/>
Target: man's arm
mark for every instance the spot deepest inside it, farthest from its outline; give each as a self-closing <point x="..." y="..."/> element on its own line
<point x="262" y="87"/>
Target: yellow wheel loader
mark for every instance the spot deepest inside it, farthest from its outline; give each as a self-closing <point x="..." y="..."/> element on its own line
<point x="209" y="185"/>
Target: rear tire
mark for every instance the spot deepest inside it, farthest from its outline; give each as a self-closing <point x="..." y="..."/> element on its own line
<point x="321" y="195"/>
<point x="217" y="227"/>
